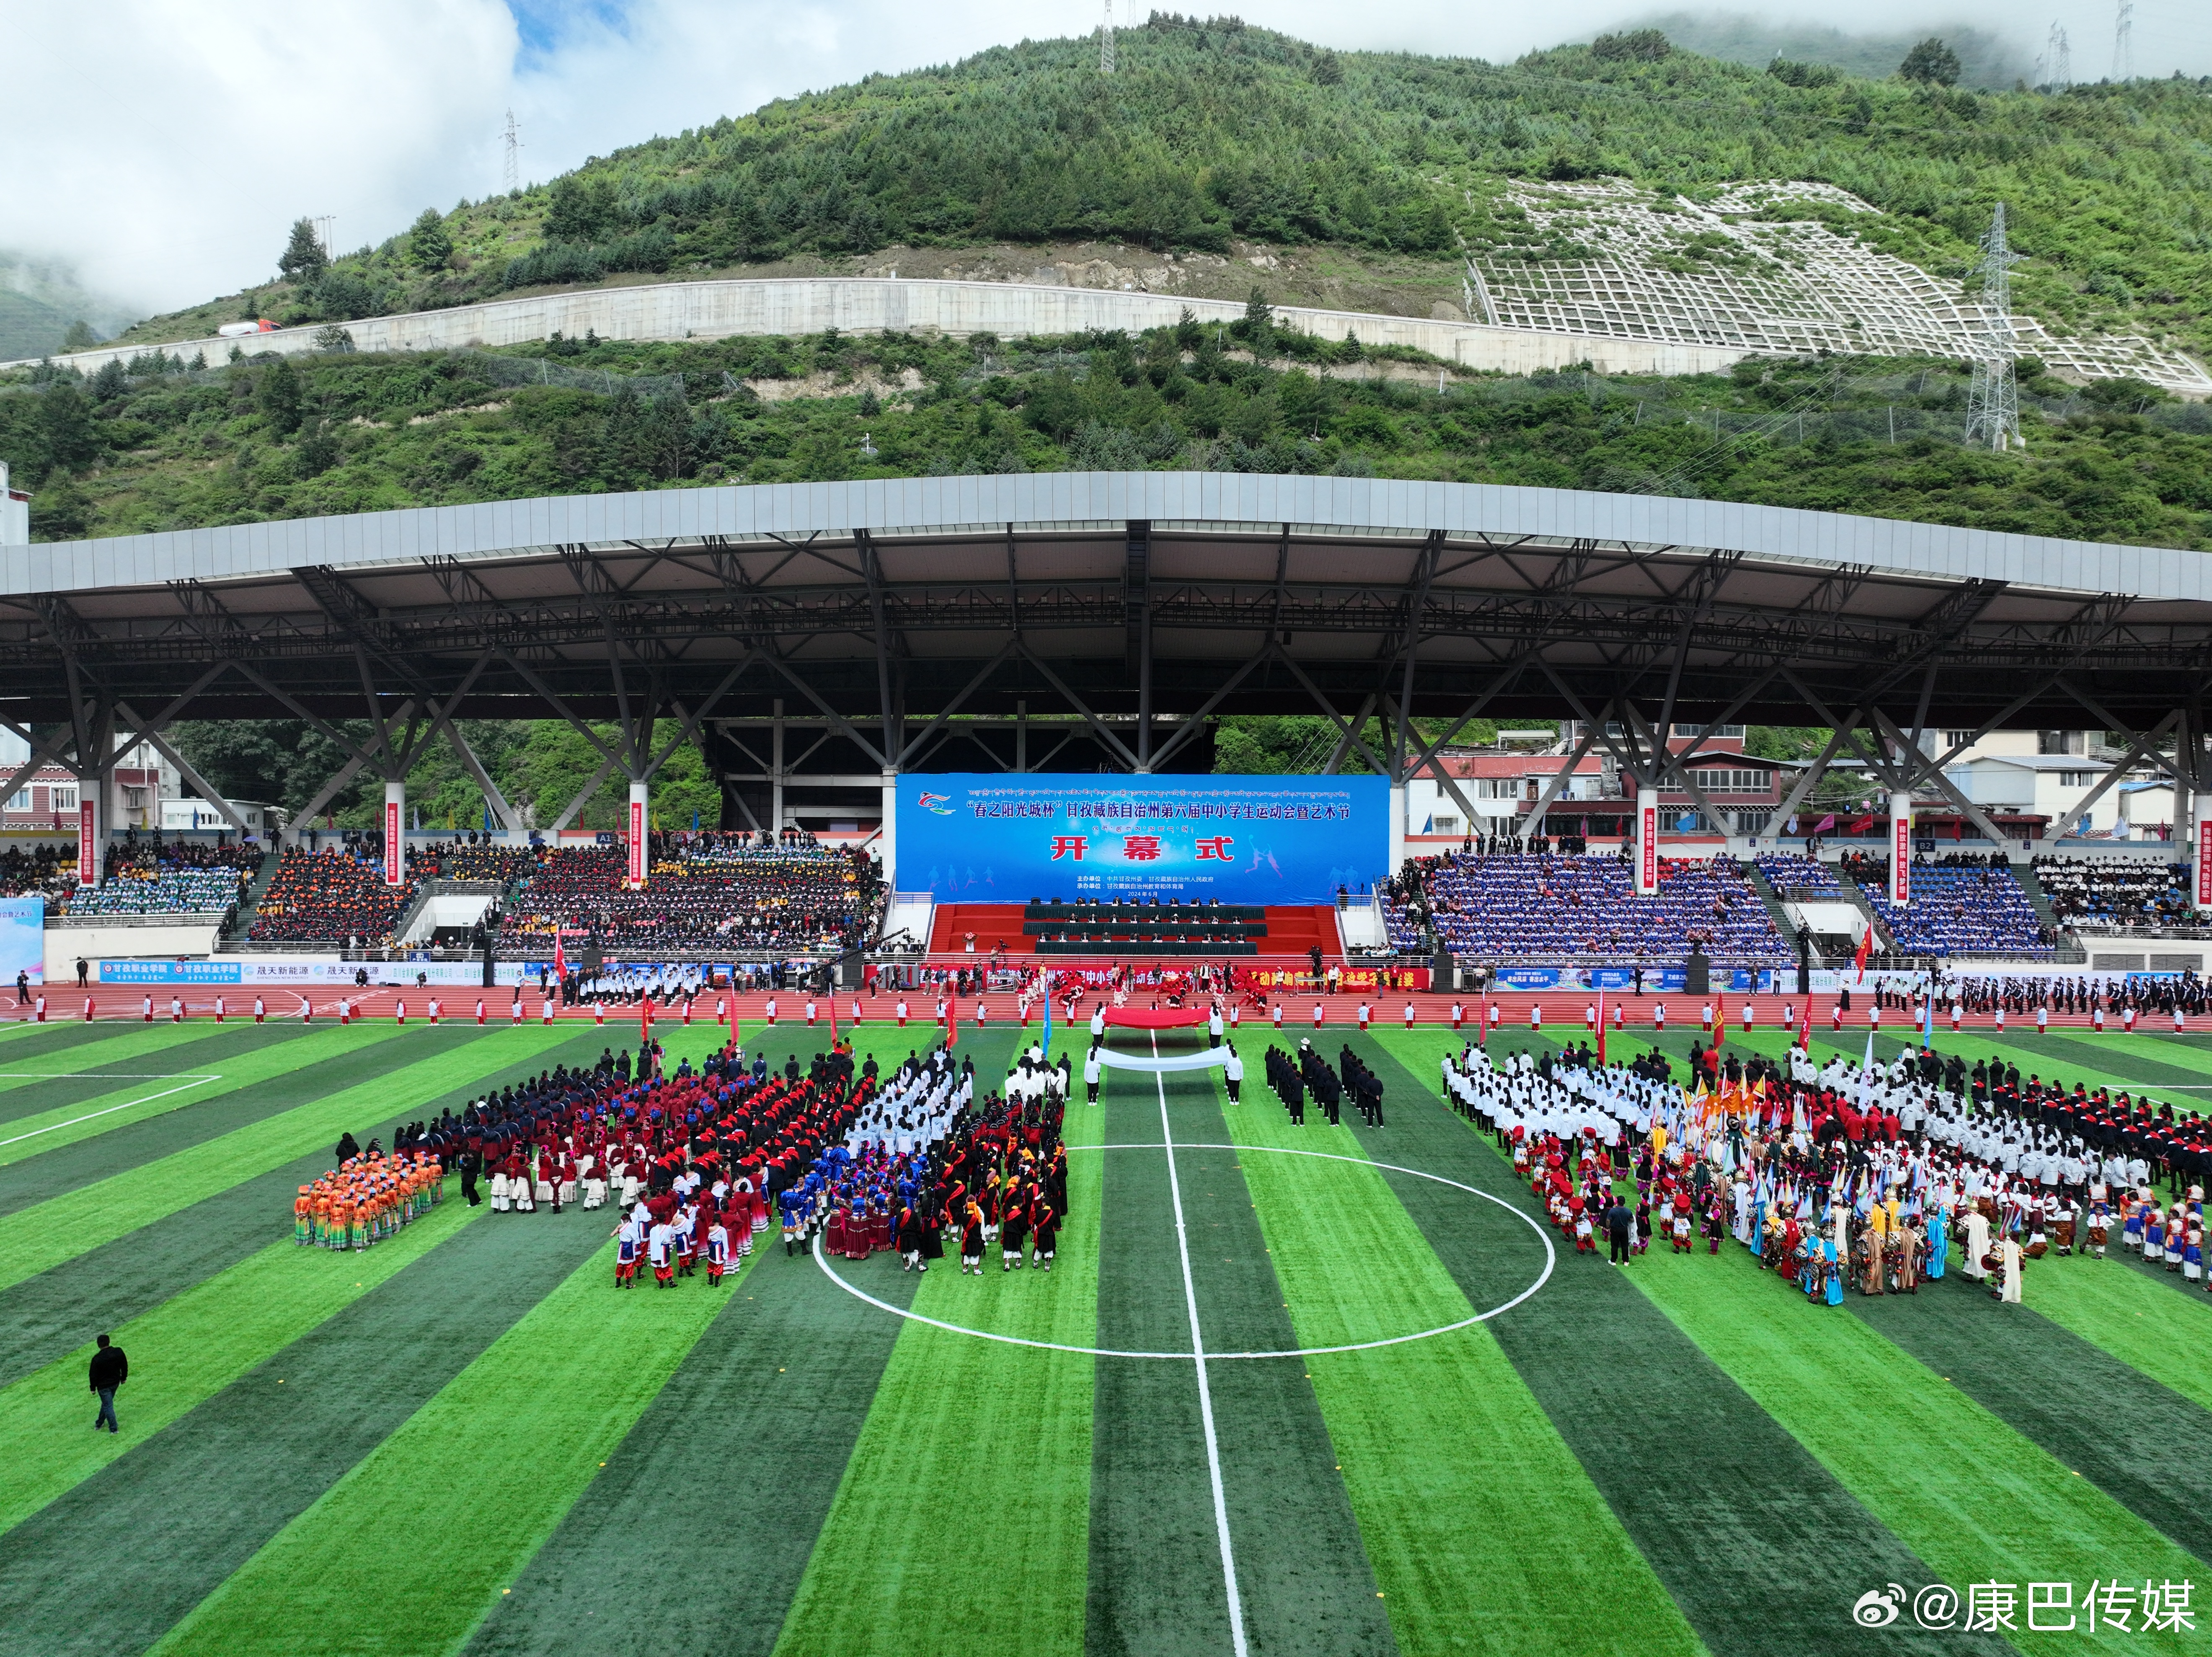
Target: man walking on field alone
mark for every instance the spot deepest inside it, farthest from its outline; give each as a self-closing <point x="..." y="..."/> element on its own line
<point x="109" y="1370"/>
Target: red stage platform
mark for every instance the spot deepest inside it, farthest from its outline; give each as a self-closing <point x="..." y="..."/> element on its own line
<point x="1292" y="930"/>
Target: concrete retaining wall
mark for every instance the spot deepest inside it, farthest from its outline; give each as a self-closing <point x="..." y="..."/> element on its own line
<point x="859" y="305"/>
<point x="66" y="945"/>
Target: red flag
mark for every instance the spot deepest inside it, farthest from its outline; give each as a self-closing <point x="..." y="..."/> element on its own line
<point x="833" y="1020"/>
<point x="1866" y="948"/>
<point x="1601" y="1027"/>
<point x="951" y="1022"/>
<point x="645" y="1018"/>
<point x="560" y="960"/>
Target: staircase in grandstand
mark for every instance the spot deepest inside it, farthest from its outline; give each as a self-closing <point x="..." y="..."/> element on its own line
<point x="1755" y="878"/>
<point x="249" y="901"/>
<point x="2032" y="884"/>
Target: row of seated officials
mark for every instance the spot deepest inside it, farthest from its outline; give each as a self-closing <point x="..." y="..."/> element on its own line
<point x="1147" y="911"/>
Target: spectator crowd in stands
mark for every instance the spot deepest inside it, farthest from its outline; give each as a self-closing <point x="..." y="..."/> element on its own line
<point x="333" y="896"/>
<point x="2119" y="891"/>
<point x="1792" y="872"/>
<point x="42" y="870"/>
<point x="176" y="877"/>
<point x="706" y="891"/>
<point x="1966" y="903"/>
<point x="1541" y="905"/>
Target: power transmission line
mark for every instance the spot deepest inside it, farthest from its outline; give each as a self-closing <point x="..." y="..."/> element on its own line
<point x="512" y="173"/>
<point x="1993" y="400"/>
<point x="325" y="225"/>
<point x="2055" y="69"/>
<point x="1106" y="41"/>
<point x="2124" y="41"/>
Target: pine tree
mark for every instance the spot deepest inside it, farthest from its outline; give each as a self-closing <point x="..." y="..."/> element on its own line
<point x="1258" y="323"/>
<point x="277" y="395"/>
<point x="80" y="336"/>
<point x="303" y="259"/>
<point x="65" y="428"/>
<point x="1930" y="62"/>
<point x="429" y="245"/>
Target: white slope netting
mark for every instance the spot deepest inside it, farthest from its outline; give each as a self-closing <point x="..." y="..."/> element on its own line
<point x="1738" y="270"/>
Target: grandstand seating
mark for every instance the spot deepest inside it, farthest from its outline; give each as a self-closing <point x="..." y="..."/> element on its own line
<point x="149" y="876"/>
<point x="328" y="896"/>
<point x="42" y="870"/>
<point x="1957" y="909"/>
<point x="714" y="894"/>
<point x="165" y="891"/>
<point x="1793" y="871"/>
<point x="501" y="864"/>
<point x="1523" y="905"/>
<point x="2116" y="891"/>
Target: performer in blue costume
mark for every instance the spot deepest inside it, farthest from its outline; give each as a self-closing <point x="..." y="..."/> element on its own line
<point x="1939" y="1240"/>
<point x="1834" y="1272"/>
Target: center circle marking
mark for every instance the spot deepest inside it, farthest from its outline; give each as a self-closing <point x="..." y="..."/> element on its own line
<point x="1551" y="1259"/>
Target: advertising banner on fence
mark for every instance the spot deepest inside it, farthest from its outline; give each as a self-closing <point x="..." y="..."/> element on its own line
<point x="24" y="938"/>
<point x="1350" y="979"/>
<point x="996" y="838"/>
<point x="322" y="972"/>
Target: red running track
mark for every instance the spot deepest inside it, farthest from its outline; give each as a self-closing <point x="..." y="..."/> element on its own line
<point x="1564" y="1011"/>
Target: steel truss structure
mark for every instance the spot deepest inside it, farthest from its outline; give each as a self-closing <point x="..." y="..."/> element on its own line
<point x="1097" y="620"/>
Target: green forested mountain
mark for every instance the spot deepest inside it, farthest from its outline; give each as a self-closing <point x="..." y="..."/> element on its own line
<point x="29" y="327"/>
<point x="280" y="438"/>
<point x="1986" y="60"/>
<point x="1213" y="133"/>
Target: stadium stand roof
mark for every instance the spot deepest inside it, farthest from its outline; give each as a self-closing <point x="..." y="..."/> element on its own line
<point x="880" y="605"/>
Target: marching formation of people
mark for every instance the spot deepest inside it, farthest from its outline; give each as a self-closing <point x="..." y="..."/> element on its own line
<point x="719" y="1150"/>
<point x="1571" y="1124"/>
<point x="1845" y="1175"/>
<point x="1294" y="1079"/>
<point x="367" y="1198"/>
<point x="930" y="1162"/>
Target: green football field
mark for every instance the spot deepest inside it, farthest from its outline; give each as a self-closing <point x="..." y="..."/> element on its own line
<point x="1415" y="1427"/>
